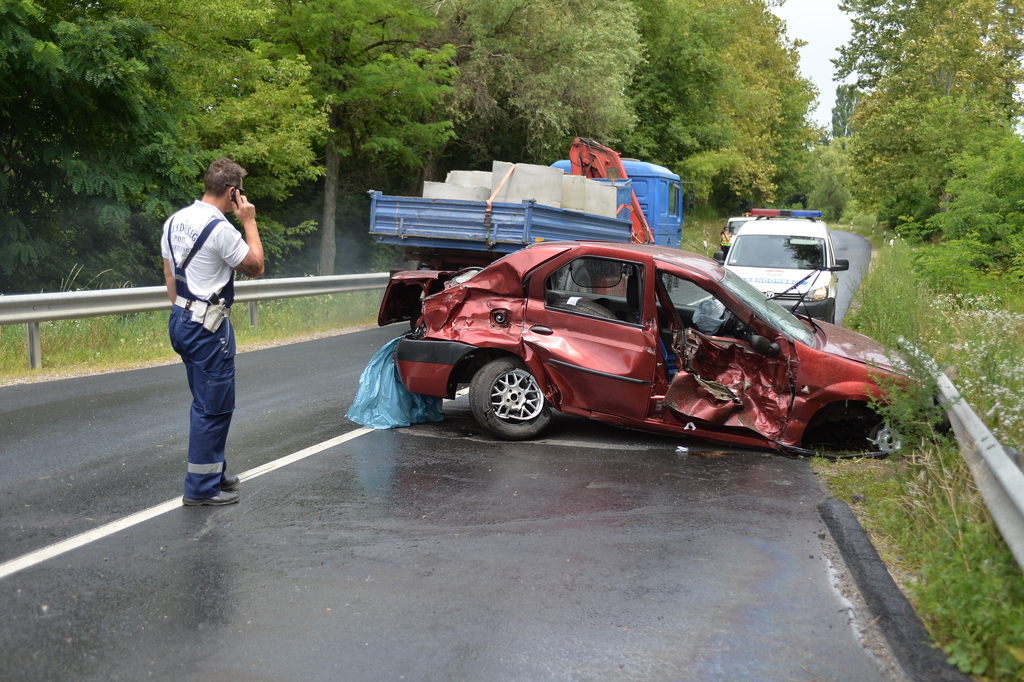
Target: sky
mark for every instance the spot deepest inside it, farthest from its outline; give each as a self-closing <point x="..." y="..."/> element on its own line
<point x="824" y="27"/>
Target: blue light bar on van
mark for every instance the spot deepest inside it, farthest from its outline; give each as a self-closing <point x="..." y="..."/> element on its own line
<point x="783" y="213"/>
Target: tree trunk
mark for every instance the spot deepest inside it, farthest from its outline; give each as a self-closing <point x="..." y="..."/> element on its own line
<point x="327" y="242"/>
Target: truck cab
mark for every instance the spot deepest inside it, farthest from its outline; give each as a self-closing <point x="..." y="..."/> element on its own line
<point x="660" y="194"/>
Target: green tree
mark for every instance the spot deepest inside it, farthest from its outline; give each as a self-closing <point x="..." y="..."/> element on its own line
<point x="942" y="46"/>
<point x="681" y="88"/>
<point x="768" y="105"/>
<point x="842" y="111"/>
<point x="985" y="209"/>
<point x="533" y="74"/>
<point x="938" y="80"/>
<point x="112" y="112"/>
<point x="88" y="106"/>
<point x="907" y="149"/>
<point x="378" y="85"/>
<point x="830" y="185"/>
<point x="242" y="101"/>
<point x="729" y="113"/>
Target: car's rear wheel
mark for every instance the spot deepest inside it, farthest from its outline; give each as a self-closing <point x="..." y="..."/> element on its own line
<point x="506" y="400"/>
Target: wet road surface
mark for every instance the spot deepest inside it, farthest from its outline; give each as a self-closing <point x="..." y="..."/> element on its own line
<point x="428" y="553"/>
<point x="857" y="250"/>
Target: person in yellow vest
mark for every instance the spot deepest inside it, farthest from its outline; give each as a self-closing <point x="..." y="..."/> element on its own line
<point x="726" y="240"/>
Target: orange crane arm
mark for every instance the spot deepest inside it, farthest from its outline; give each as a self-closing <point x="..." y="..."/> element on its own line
<point x="595" y="161"/>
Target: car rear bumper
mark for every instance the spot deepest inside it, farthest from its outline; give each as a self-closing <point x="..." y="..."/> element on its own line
<point x="425" y="365"/>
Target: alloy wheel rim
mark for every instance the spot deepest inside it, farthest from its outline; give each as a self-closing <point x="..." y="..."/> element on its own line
<point x="515" y="396"/>
<point x="886" y="440"/>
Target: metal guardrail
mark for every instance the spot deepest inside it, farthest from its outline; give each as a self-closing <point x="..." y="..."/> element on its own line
<point x="31" y="309"/>
<point x="995" y="467"/>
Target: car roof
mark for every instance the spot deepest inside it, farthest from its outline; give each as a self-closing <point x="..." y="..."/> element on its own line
<point x="787" y="227"/>
<point x="687" y="259"/>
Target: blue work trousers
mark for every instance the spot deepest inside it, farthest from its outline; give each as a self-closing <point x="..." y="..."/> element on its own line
<point x="210" y="364"/>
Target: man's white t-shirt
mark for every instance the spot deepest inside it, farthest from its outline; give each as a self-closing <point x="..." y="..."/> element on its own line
<point x="212" y="266"/>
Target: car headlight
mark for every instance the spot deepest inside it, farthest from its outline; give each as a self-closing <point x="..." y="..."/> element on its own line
<point x="819" y="294"/>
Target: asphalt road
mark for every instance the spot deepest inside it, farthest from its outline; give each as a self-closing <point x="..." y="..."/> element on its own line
<point x="427" y="553"/>
<point x="857" y="250"/>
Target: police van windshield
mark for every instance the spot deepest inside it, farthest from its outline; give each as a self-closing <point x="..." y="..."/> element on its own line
<point x="777" y="251"/>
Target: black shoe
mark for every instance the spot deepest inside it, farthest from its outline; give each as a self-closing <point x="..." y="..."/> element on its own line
<point x="223" y="498"/>
<point x="228" y="482"/>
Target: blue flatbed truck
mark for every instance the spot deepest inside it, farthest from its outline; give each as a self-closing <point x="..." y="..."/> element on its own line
<point x="451" y="234"/>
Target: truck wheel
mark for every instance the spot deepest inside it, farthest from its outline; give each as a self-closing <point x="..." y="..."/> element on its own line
<point x="506" y="400"/>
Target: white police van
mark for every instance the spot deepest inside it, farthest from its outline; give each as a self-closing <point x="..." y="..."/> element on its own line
<point x="788" y="255"/>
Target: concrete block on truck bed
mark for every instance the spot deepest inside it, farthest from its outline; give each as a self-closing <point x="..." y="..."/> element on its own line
<point x="442" y="190"/>
<point x="602" y="198"/>
<point x="464" y="178"/>
<point x="543" y="184"/>
<point x="574" y="192"/>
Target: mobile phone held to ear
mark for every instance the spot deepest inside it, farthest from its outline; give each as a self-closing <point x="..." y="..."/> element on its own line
<point x="235" y="191"/>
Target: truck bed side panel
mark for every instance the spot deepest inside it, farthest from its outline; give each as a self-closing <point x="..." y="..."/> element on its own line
<point x="449" y="223"/>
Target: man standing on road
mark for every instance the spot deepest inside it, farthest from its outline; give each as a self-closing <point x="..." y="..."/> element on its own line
<point x="201" y="250"/>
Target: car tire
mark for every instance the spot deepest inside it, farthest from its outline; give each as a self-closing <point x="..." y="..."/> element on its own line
<point x="506" y="400"/>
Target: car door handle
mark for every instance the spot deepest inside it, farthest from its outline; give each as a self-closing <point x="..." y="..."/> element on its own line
<point x="546" y="331"/>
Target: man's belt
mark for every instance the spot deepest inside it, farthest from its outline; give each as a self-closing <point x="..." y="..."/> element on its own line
<point x="198" y="308"/>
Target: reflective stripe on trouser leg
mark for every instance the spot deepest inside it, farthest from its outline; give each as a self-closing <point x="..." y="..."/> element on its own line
<point x="210" y="365"/>
<point x="207" y="436"/>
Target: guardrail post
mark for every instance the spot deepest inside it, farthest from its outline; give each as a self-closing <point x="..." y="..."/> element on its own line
<point x="253" y="315"/>
<point x="35" y="352"/>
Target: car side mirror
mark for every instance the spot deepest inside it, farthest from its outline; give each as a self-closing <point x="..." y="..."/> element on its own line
<point x="763" y="346"/>
<point x="841" y="264"/>
<point x="719" y="256"/>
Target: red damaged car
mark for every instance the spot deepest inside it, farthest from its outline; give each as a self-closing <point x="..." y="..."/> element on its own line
<point x="640" y="336"/>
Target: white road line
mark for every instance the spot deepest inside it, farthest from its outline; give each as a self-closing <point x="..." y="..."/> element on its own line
<point x="41" y="555"/>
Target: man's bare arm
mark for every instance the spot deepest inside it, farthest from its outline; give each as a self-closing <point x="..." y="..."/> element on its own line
<point x="169" y="281"/>
<point x="253" y="264"/>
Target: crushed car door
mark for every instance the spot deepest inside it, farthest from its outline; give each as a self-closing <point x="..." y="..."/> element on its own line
<point x="585" y="321"/>
<point x="721" y="379"/>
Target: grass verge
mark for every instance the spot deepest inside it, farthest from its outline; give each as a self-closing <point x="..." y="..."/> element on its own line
<point x="923" y="510"/>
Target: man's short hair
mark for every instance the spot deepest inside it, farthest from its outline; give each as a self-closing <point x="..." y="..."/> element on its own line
<point x="222" y="174"/>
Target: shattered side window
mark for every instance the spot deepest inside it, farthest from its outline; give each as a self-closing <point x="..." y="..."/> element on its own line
<point x="685" y="294"/>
